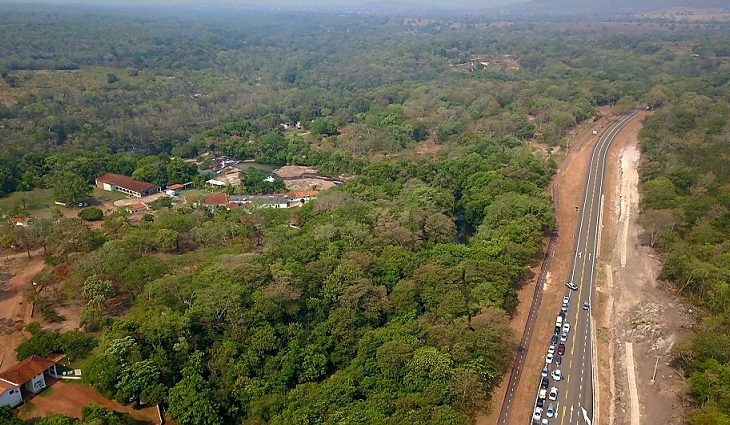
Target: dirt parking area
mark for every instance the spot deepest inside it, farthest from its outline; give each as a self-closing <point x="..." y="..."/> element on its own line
<point x="70" y="397"/>
<point x="637" y="321"/>
<point x="145" y="199"/>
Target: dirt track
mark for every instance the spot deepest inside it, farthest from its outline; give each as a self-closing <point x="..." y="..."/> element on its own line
<point x="12" y="303"/>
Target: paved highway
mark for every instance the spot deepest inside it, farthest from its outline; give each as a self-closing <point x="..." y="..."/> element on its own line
<point x="575" y="400"/>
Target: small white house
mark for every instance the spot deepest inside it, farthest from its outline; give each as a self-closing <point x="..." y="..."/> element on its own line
<point x="28" y="374"/>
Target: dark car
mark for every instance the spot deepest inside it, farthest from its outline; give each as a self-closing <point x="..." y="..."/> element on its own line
<point x="557" y="330"/>
<point x="544" y="383"/>
<point x="554" y="340"/>
<point x="540" y="402"/>
<point x="561" y="349"/>
<point x="558" y="360"/>
<point x="562" y="314"/>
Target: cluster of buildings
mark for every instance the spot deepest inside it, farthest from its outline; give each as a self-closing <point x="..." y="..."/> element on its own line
<point x="287" y="200"/>
<point x="133" y="188"/>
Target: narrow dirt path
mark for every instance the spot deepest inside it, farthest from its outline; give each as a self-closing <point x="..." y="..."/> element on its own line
<point x="13" y="305"/>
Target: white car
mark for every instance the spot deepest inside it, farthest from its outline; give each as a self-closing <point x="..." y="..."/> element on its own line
<point x="537" y="414"/>
<point x="549" y="358"/>
<point x="551" y="349"/>
<point x="542" y="394"/>
<point x="553" y="393"/>
<point x="544" y="422"/>
<point x="566" y="327"/>
<point x="566" y="299"/>
<point x="544" y="372"/>
<point x="563" y="337"/>
<point x="557" y="375"/>
<point x="571" y="285"/>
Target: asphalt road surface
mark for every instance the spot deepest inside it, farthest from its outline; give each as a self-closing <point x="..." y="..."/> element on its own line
<point x="575" y="400"/>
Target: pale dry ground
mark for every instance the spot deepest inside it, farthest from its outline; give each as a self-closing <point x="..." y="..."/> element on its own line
<point x="630" y="306"/>
<point x="71" y="397"/>
<point x="570" y="180"/>
<point x="145" y="199"/>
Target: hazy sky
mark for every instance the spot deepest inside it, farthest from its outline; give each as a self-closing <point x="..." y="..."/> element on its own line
<point x="287" y="3"/>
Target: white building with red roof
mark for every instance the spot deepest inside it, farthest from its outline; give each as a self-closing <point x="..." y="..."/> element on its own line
<point x="28" y="375"/>
<point x="120" y="183"/>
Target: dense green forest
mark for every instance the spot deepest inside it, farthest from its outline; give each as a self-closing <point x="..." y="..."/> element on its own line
<point x="686" y="184"/>
<point x="366" y="305"/>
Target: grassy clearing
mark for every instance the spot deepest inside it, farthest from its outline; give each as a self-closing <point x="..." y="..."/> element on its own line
<point x="33" y="201"/>
<point x="105" y="196"/>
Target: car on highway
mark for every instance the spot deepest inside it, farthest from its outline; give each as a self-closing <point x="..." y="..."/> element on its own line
<point x="553" y="393"/>
<point x="537" y="414"/>
<point x="544" y="372"/>
<point x="544" y="383"/>
<point x="586" y="305"/>
<point x="571" y="285"/>
<point x="550" y="411"/>
<point x="554" y="339"/>
<point x="549" y="358"/>
<point x="566" y="327"/>
<point x="558" y="360"/>
<point x="551" y="349"/>
<point x="561" y="349"/>
<point x="563" y="337"/>
<point x="557" y="375"/>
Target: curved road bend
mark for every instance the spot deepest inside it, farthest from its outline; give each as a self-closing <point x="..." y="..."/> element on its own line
<point x="575" y="401"/>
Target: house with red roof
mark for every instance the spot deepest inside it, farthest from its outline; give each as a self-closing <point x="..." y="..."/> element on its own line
<point x="216" y="199"/>
<point x="302" y="197"/>
<point x="139" y="207"/>
<point x="120" y="183"/>
<point x="28" y="375"/>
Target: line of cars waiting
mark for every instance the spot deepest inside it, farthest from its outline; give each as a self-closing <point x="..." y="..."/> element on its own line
<point x="554" y="356"/>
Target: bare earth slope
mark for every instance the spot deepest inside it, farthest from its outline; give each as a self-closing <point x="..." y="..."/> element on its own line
<point x="637" y="321"/>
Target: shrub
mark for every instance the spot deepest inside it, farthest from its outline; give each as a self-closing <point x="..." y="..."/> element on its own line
<point x="91" y="214"/>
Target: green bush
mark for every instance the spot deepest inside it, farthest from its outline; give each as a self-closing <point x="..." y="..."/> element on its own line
<point x="91" y="214"/>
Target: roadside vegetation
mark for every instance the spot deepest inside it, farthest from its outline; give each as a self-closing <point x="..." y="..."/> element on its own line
<point x="385" y="300"/>
<point x="686" y="196"/>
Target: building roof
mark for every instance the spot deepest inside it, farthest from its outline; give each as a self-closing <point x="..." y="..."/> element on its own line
<point x="216" y="199"/>
<point x="176" y="186"/>
<point x="126" y="182"/>
<point x="4" y="386"/>
<point x="302" y="194"/>
<point x="25" y="370"/>
<point x="215" y="182"/>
